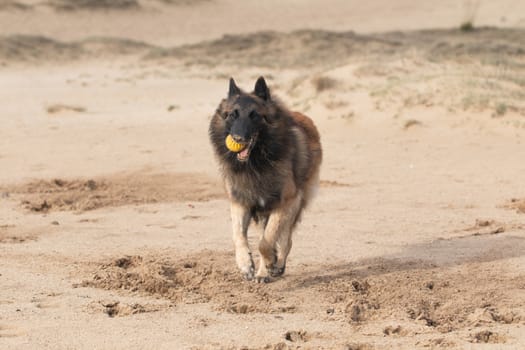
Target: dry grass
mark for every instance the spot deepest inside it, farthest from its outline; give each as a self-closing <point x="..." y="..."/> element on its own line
<point x="470" y="9"/>
<point x="323" y="83"/>
<point x="72" y="5"/>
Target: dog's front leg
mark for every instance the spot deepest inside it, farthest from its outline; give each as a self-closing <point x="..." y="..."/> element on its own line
<point x="240" y="222"/>
<point x="276" y="242"/>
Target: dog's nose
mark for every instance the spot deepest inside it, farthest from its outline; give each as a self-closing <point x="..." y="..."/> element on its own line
<point x="238" y="138"/>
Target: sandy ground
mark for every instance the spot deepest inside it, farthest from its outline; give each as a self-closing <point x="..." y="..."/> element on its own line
<point x="114" y="227"/>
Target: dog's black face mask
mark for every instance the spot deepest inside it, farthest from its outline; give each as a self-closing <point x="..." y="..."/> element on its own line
<point x="243" y="123"/>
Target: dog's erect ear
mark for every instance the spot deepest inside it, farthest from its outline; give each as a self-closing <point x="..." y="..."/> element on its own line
<point x="234" y="90"/>
<point x="261" y="90"/>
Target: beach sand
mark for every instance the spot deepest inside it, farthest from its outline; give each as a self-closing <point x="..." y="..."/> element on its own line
<point x="114" y="225"/>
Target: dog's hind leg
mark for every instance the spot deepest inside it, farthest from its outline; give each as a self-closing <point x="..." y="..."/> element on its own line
<point x="240" y="222"/>
<point x="276" y="242"/>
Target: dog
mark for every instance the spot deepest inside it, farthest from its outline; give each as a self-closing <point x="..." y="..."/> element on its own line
<point x="270" y="159"/>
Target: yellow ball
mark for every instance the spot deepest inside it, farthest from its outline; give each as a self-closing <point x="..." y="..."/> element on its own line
<point x="234" y="146"/>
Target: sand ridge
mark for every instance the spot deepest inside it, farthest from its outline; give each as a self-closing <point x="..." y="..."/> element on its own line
<point x="410" y="296"/>
<point x="110" y="191"/>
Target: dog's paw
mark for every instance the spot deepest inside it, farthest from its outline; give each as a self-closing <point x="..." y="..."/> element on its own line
<point x="262" y="279"/>
<point x="248" y="274"/>
<point x="246" y="265"/>
<point x="275" y="271"/>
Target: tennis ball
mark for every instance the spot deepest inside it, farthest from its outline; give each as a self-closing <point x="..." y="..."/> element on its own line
<point x="234" y="146"/>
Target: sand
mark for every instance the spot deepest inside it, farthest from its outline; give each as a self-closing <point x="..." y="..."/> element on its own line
<point x="114" y="226"/>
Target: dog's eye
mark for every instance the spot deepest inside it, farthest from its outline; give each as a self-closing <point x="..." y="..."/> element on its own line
<point x="266" y="119"/>
<point x="233" y="114"/>
<point x="254" y="115"/>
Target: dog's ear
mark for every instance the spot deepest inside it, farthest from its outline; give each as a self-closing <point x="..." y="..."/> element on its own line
<point x="261" y="90"/>
<point x="234" y="90"/>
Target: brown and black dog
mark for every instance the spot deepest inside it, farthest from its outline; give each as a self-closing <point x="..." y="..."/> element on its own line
<point x="270" y="175"/>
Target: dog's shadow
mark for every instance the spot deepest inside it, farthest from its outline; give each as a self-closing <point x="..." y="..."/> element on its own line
<point x="438" y="254"/>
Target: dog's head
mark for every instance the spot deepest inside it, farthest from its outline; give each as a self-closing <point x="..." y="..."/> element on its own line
<point x="241" y="119"/>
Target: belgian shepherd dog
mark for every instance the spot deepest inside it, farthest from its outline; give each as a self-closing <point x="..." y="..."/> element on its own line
<point x="270" y="159"/>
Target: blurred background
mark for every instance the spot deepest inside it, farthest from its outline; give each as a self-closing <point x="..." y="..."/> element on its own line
<point x="337" y="59"/>
<point x="175" y="22"/>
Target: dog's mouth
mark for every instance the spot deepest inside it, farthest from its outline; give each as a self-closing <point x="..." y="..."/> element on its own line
<point x="243" y="155"/>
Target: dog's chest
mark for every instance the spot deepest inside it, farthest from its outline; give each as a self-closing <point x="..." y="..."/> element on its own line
<point x="262" y="193"/>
